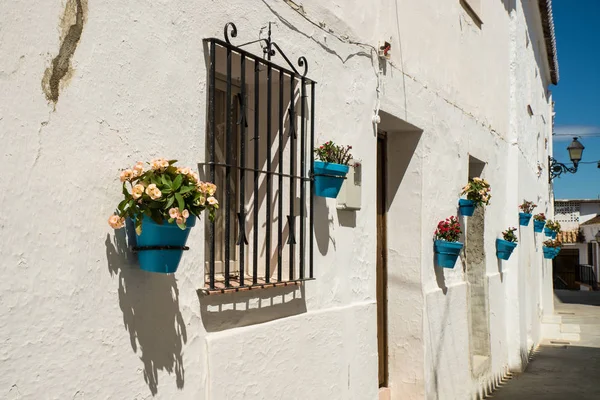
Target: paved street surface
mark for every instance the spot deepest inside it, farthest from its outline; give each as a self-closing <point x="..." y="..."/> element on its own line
<point x="563" y="372"/>
<point x="559" y="371"/>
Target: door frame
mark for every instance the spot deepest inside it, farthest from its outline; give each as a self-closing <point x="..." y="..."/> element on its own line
<point x="382" y="256"/>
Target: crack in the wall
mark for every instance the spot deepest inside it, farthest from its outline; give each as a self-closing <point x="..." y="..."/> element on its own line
<point x="13" y="71"/>
<point x="38" y="152"/>
<point x="61" y="64"/>
<point x="102" y="122"/>
<point x="345" y="39"/>
<point x="324" y="47"/>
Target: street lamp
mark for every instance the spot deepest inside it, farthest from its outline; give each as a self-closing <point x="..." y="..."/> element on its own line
<point x="598" y="237"/>
<point x="575" y="153"/>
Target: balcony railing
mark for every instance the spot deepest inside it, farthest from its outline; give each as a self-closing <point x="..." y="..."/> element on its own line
<point x="587" y="276"/>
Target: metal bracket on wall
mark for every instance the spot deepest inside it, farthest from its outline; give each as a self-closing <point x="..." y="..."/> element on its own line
<point x="145" y="248"/>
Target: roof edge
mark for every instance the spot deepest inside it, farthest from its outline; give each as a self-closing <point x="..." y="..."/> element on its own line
<point x="577" y="200"/>
<point x="549" y="38"/>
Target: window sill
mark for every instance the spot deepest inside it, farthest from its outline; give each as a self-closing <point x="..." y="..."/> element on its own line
<point x="234" y="286"/>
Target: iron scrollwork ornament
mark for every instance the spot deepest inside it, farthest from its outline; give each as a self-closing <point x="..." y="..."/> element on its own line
<point x="556" y="169"/>
<point x="269" y="47"/>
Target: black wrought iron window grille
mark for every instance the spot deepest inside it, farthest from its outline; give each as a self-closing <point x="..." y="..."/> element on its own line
<point x="260" y="136"/>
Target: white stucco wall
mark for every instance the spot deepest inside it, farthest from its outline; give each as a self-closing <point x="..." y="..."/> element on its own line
<point x="80" y="320"/>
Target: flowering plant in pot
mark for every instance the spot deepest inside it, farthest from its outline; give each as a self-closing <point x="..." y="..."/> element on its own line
<point x="163" y="202"/>
<point x="552" y="228"/>
<point x="330" y="168"/>
<point x="506" y="245"/>
<point x="478" y="193"/>
<point x="539" y="220"/>
<point x="446" y="246"/>
<point x="525" y="214"/>
<point x="551" y="248"/>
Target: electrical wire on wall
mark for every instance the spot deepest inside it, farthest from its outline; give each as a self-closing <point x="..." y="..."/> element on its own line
<point x="380" y="55"/>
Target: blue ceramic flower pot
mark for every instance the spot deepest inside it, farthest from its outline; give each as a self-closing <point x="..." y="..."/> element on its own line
<point x="538" y="226"/>
<point x="548" y="232"/>
<point x="504" y="248"/>
<point x="467" y="207"/>
<point x="153" y="234"/>
<point x="524" y="219"/>
<point x="548" y="252"/>
<point x="446" y="253"/>
<point x="329" y="178"/>
<point x="556" y="251"/>
<point x="554" y="234"/>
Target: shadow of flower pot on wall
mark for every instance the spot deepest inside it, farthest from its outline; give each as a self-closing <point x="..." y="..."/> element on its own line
<point x="347" y="218"/>
<point x="150" y="306"/>
<point x="321" y="227"/>
<point x="439" y="275"/>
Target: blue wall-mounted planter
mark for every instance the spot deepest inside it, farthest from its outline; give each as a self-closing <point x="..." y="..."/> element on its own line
<point x="548" y="232"/>
<point x="446" y="253"/>
<point x="548" y="252"/>
<point x="554" y="234"/>
<point x="504" y="248"/>
<point x="524" y="219"/>
<point x="329" y="178"/>
<point x="466" y="207"/>
<point x="538" y="226"/>
<point x="556" y="251"/>
<point x="153" y="234"/>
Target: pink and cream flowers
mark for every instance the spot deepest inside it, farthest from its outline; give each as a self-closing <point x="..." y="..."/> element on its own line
<point x="478" y="190"/>
<point x="164" y="193"/>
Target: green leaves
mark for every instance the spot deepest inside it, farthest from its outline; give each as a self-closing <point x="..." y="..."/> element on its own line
<point x="169" y="203"/>
<point x="178" y="188"/>
<point x="186" y="189"/>
<point x="180" y="202"/>
<point x="122" y="205"/>
<point x="155" y="205"/>
<point x="177" y="182"/>
<point x="330" y="152"/>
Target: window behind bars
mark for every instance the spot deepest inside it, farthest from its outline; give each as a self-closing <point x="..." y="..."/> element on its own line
<point x="260" y="136"/>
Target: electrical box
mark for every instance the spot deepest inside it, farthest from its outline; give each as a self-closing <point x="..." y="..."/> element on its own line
<point x="350" y="194"/>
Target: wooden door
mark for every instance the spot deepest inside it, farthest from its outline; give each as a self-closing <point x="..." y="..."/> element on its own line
<point x="382" y="260"/>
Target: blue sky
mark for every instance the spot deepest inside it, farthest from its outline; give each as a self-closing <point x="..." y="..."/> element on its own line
<point x="577" y="95"/>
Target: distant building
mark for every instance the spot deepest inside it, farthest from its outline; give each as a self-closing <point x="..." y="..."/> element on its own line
<point x="580" y="222"/>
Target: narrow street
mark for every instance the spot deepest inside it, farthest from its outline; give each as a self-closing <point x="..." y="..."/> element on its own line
<point x="560" y="371"/>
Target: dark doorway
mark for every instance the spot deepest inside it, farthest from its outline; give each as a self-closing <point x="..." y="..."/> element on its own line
<point x="565" y="267"/>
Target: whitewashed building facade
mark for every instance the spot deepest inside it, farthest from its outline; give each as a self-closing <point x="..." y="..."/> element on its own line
<point x="92" y="87"/>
